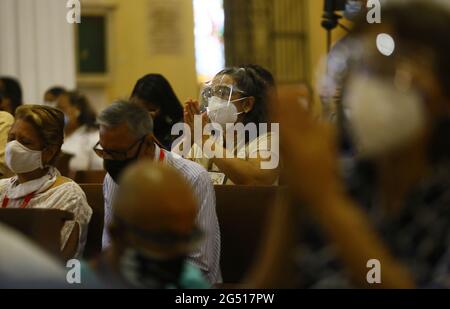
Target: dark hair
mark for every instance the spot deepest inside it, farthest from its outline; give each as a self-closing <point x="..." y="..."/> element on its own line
<point x="87" y="115"/>
<point x="12" y="90"/>
<point x="155" y="89"/>
<point x="56" y="91"/>
<point x="424" y="24"/>
<point x="253" y="85"/>
<point x="265" y="74"/>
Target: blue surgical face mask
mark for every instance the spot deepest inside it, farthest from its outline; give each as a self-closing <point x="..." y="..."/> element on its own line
<point x="353" y="9"/>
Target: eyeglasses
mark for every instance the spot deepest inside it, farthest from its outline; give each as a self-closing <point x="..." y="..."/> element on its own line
<point x="117" y="155"/>
<point x="222" y="91"/>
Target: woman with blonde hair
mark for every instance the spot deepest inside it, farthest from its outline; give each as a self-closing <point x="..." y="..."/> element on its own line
<point x="34" y="143"/>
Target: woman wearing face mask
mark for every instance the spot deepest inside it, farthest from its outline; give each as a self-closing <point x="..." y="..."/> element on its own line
<point x="236" y="96"/>
<point x="155" y="94"/>
<point x="81" y="132"/>
<point x="34" y="142"/>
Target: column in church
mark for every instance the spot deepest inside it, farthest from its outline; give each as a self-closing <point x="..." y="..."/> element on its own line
<point x="37" y="45"/>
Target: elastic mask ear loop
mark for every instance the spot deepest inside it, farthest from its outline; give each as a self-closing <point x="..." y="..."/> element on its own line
<point x="237" y="100"/>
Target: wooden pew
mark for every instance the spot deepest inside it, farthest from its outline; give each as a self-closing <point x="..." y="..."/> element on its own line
<point x="62" y="163"/>
<point x="85" y="177"/>
<point x="94" y="196"/>
<point x="242" y="213"/>
<point x="43" y="226"/>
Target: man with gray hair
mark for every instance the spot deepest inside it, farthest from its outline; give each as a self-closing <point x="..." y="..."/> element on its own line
<point x="126" y="136"/>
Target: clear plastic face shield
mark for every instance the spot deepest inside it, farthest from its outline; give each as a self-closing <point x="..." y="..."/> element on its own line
<point x="218" y="99"/>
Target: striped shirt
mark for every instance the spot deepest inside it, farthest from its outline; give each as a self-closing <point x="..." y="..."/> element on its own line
<point x="207" y="255"/>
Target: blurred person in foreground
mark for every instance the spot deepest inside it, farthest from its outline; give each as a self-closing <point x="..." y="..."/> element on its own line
<point x="23" y="265"/>
<point x="126" y="136"/>
<point x="153" y="230"/>
<point x="395" y="208"/>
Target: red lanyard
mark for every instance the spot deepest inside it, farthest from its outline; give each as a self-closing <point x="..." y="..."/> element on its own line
<point x="25" y="203"/>
<point x="161" y="155"/>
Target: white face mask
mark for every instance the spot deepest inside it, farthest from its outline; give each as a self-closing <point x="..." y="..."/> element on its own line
<point x="383" y="117"/>
<point x="20" y="159"/>
<point x="221" y="111"/>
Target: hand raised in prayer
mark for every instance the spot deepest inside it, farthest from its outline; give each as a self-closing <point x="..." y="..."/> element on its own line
<point x="192" y="109"/>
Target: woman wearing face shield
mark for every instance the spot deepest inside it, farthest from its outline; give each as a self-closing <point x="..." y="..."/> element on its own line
<point x="34" y="142"/>
<point x="235" y="97"/>
<point x="389" y="226"/>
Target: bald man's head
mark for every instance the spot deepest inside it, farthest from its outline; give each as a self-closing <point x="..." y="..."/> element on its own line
<point x="153" y="199"/>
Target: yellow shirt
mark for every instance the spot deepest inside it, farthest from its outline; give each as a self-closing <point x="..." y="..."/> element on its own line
<point x="6" y="122"/>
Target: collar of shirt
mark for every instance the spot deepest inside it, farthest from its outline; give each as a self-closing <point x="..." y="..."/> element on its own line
<point x="158" y="151"/>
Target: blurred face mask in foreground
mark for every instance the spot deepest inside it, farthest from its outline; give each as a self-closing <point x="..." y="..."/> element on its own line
<point x="383" y="116"/>
<point x="145" y="271"/>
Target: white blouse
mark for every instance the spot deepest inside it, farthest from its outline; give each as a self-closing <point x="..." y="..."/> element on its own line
<point x="266" y="145"/>
<point x="80" y="144"/>
<point x="68" y="197"/>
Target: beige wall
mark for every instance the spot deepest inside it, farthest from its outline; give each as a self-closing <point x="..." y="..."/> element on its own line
<point x="131" y="56"/>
